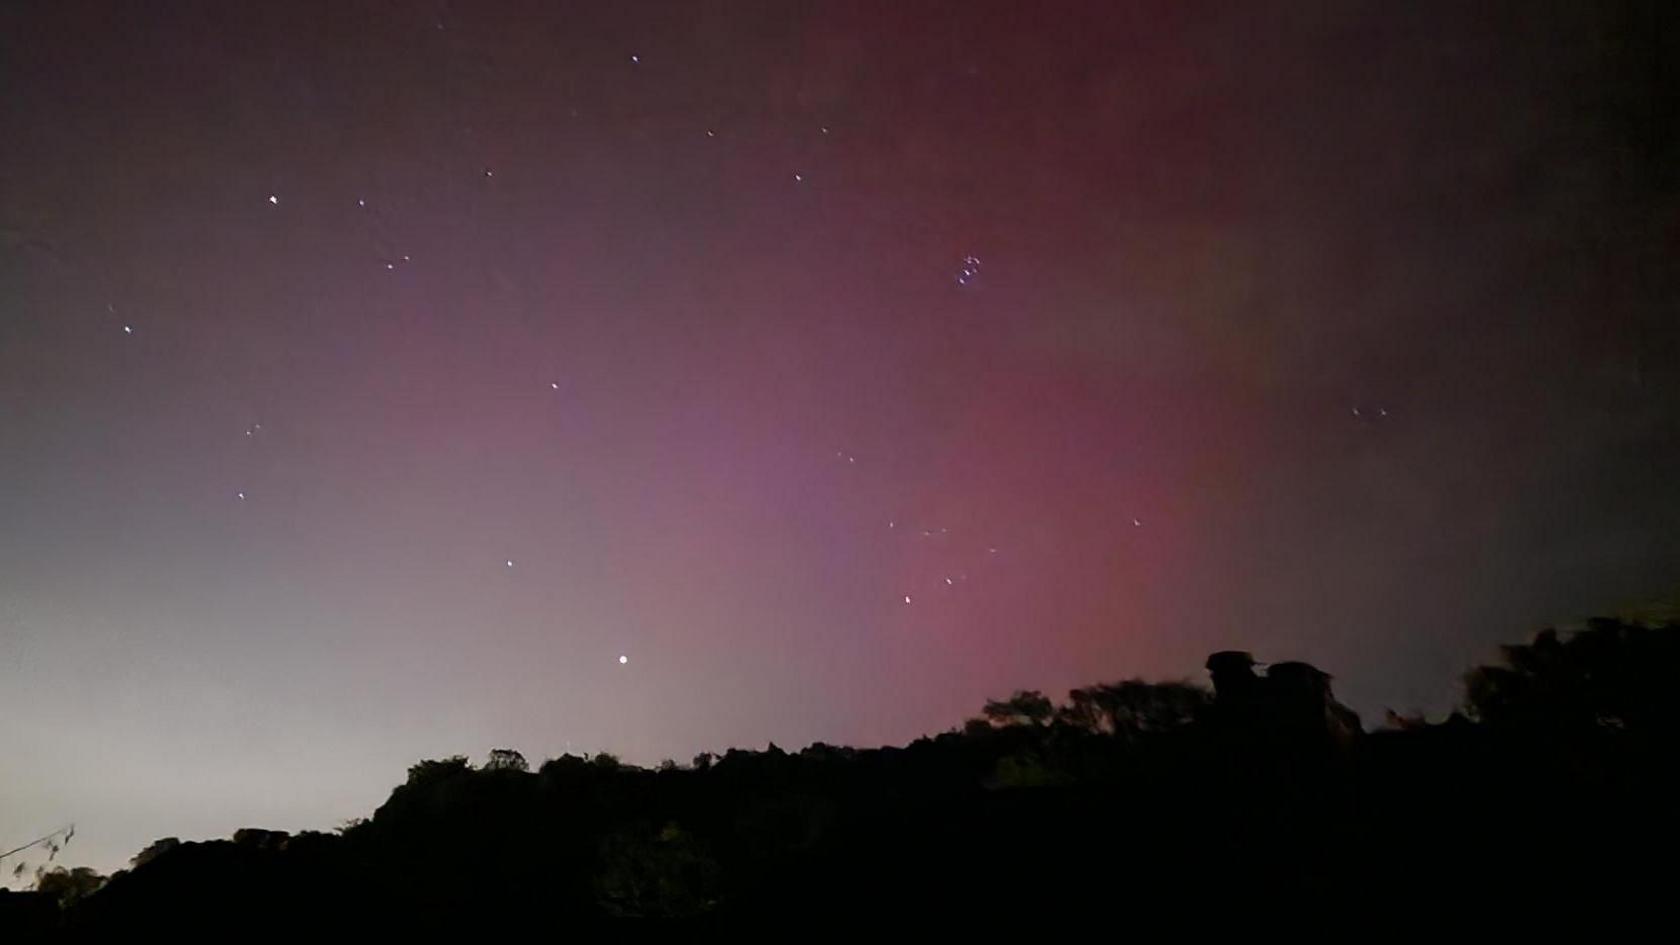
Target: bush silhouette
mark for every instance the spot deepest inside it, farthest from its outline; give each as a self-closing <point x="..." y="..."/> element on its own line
<point x="1263" y="792"/>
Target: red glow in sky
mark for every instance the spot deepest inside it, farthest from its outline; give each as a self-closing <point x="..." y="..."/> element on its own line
<point x="393" y="381"/>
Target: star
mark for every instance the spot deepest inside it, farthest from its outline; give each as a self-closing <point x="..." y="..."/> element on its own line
<point x="825" y="129"/>
<point x="240" y="495"/>
<point x="274" y="200"/>
<point x="635" y="58"/>
<point x="710" y="133"/>
<point x="948" y="582"/>
<point x="489" y="173"/>
<point x="390" y="265"/>
<point x="1136" y="523"/>
<point x="798" y="178"/>
<point x="128" y="329"/>
<point x="907" y="598"/>
<point x="360" y="202"/>
<point x="553" y="385"/>
<point x="510" y="562"/>
<point x="623" y="660"/>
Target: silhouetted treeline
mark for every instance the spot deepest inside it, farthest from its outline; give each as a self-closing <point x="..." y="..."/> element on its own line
<point x="1263" y="792"/>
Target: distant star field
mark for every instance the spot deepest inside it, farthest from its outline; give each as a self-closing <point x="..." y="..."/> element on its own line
<point x="384" y="381"/>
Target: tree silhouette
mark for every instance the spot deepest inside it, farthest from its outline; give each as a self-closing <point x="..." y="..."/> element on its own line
<point x="1133" y="708"/>
<point x="1610" y="677"/>
<point x="1025" y="707"/>
<point x="1140" y="789"/>
<point x="67" y="887"/>
<point x="154" y="850"/>
<point x="433" y="771"/>
<point x="506" y="759"/>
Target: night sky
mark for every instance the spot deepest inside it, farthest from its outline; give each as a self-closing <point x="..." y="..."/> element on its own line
<point x="394" y="380"/>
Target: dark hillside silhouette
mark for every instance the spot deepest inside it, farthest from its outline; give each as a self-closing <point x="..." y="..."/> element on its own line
<point x="1263" y="793"/>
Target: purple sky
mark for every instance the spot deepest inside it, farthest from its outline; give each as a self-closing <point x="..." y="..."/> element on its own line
<point x="1341" y="332"/>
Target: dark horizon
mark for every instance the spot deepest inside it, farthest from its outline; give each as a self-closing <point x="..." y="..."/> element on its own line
<point x="1261" y="794"/>
<point x="393" y="381"/>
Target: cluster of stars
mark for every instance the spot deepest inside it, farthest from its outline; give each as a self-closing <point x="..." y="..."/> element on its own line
<point x="970" y="270"/>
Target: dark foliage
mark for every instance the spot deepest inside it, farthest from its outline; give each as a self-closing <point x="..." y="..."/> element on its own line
<point x="1129" y="798"/>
